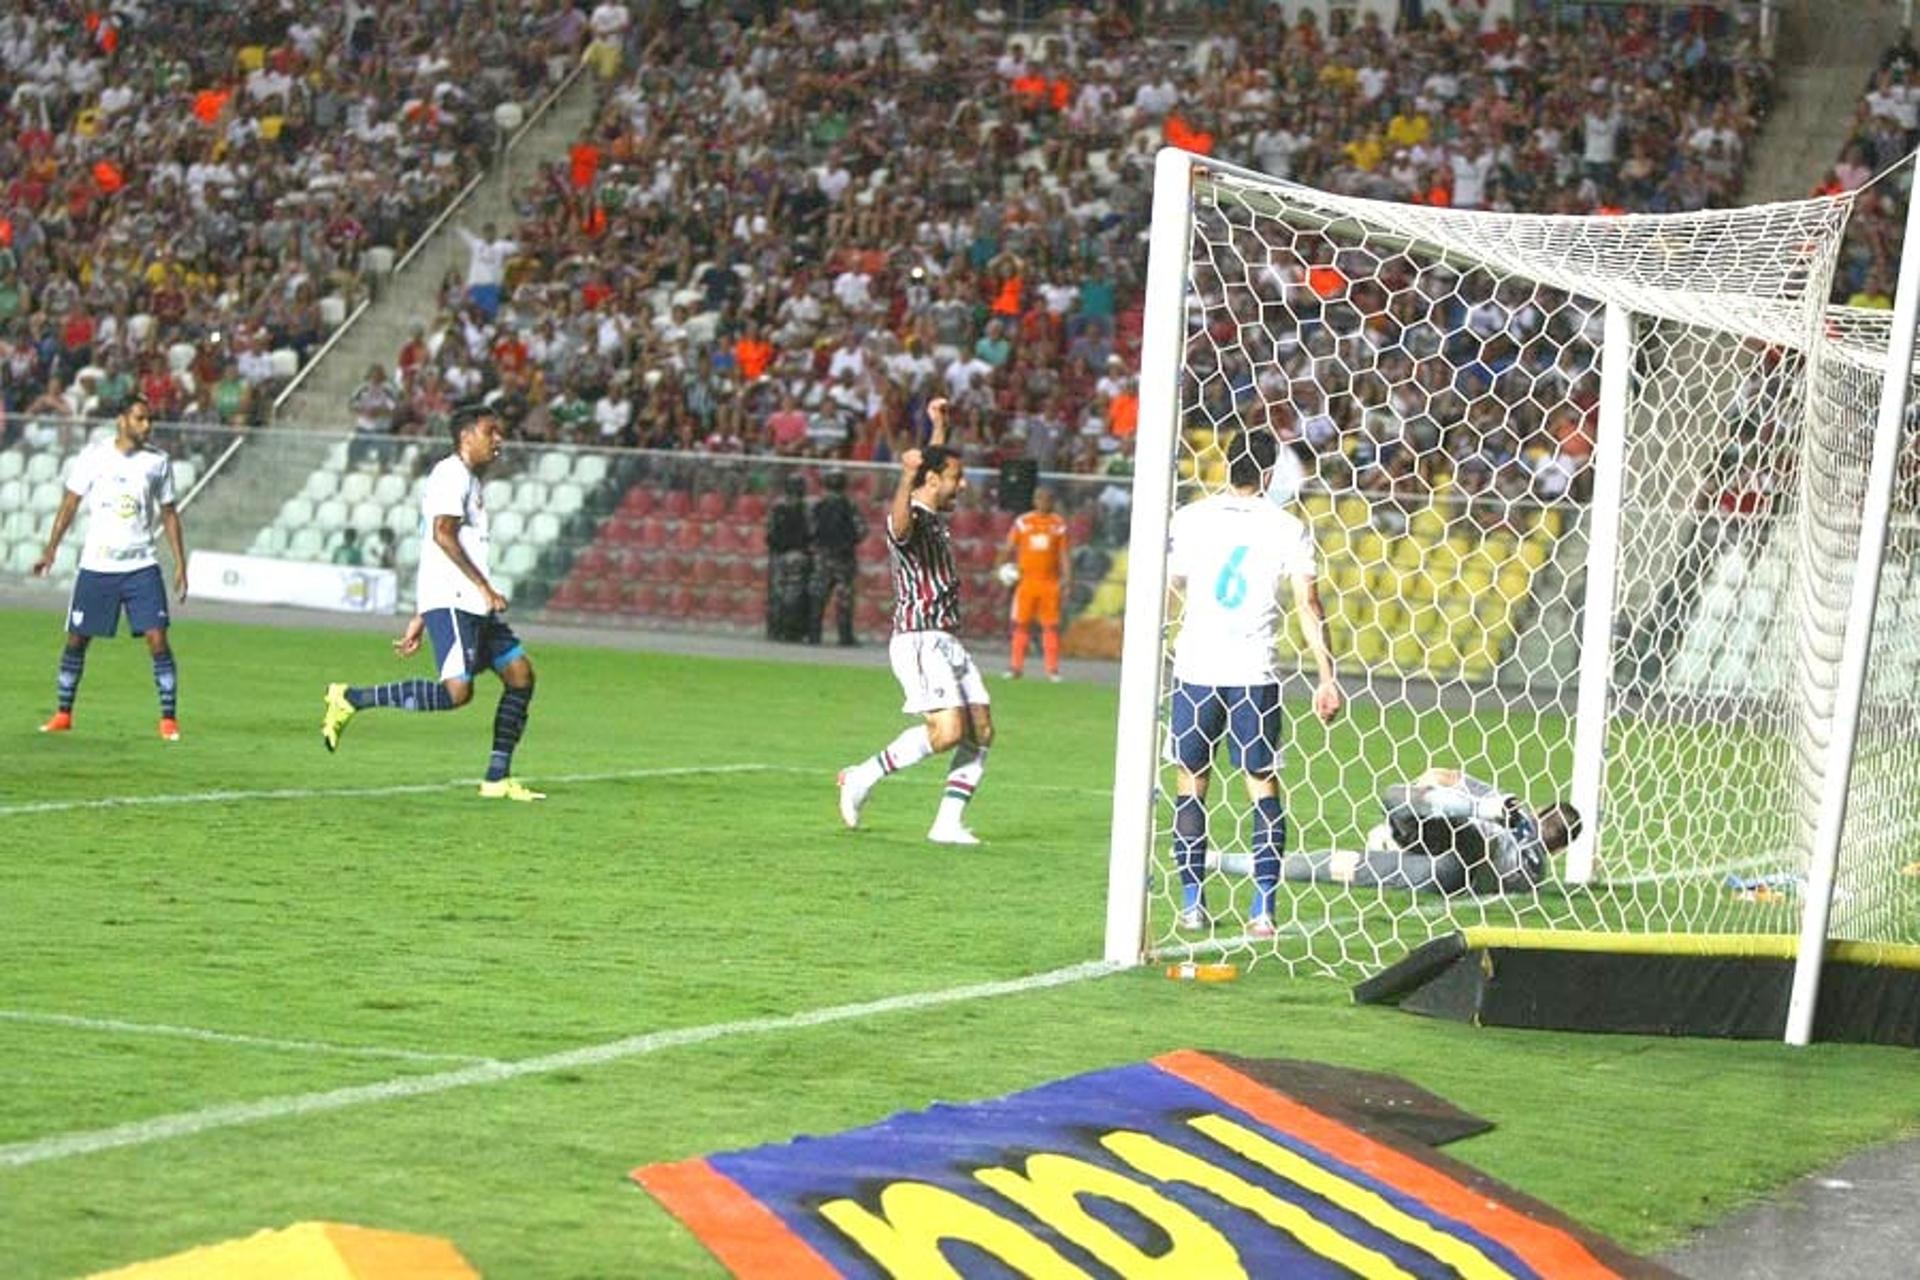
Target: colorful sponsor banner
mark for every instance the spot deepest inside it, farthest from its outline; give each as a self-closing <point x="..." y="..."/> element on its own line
<point x="217" y="575"/>
<point x="1184" y="1166"/>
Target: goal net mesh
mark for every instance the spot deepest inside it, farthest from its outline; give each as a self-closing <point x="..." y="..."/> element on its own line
<point x="1438" y="378"/>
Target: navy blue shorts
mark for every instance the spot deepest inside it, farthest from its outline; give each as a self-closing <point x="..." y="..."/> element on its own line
<point x="464" y="643"/>
<point x="1247" y="716"/>
<point x="98" y="599"/>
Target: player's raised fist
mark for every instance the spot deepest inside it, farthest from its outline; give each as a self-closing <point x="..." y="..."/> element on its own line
<point x="910" y="461"/>
<point x="937" y="410"/>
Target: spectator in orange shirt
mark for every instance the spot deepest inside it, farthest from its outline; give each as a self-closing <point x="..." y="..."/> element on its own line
<point x="753" y="353"/>
<point x="1037" y="546"/>
<point x="1123" y="411"/>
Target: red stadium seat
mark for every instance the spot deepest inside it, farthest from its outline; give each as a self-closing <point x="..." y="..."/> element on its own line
<point x="712" y="505"/>
<point x="641" y="598"/>
<point x="969" y="522"/>
<point x="691" y="536"/>
<point x="638" y="501"/>
<point x="594" y="562"/>
<point x="750" y="507"/>
<point x="676" y="604"/>
<point x="676" y="503"/>
<point x="999" y="524"/>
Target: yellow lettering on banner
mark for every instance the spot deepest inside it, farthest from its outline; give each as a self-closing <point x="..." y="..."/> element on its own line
<point x="1167" y="1163"/>
<point x="1050" y="1191"/>
<point x="904" y="1237"/>
<point x="1466" y="1260"/>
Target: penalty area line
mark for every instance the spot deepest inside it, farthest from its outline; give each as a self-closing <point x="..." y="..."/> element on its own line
<point x="229" y="1115"/>
<point x="348" y="793"/>
<point x="118" y="1026"/>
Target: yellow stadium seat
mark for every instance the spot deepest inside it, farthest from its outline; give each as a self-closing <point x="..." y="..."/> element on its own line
<point x="1406" y="553"/>
<point x="1370" y="549"/>
<point x="1200" y="439"/>
<point x="1390" y="615"/>
<point x="1352" y="512"/>
<point x="1427" y="526"/>
<point x="1417" y="584"/>
<point x="1214" y="472"/>
<point x="1408" y="653"/>
<point x="1512" y="585"/>
<point x="1475" y="668"/>
<point x="1442" y="659"/>
<point x="1534" y="551"/>
<point x="1185" y="466"/>
<point x="1370" y="646"/>
<point x="1315" y="507"/>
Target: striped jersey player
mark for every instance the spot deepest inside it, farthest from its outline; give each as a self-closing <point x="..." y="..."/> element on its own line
<point x="937" y="674"/>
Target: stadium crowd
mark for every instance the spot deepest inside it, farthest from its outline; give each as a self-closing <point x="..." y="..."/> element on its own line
<point x="189" y="187"/>
<point x="1885" y="131"/>
<point x="785" y="235"/>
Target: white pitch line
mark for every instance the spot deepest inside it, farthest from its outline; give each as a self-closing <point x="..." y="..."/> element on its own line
<point x="343" y="793"/>
<point x="1714" y="870"/>
<point x="186" y="1123"/>
<point x="116" y="1026"/>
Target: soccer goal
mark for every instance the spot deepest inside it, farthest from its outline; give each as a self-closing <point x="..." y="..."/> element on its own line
<point x="1605" y="508"/>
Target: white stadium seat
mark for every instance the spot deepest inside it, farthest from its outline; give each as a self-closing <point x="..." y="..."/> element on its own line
<point x="329" y="517"/>
<point x="12" y="464"/>
<point x="389" y="489"/>
<point x="297" y="514"/>
<point x="565" y="499"/>
<point x="543" y="528"/>
<point x="407" y="554"/>
<point x="46" y="497"/>
<point x="529" y="496"/>
<point x="13" y="495"/>
<point x="589" y="469"/>
<point x="517" y="559"/>
<point x="554" y="467"/>
<point x="356" y="486"/>
<point x="270" y="541"/>
<point x="507" y="526"/>
<point x="42" y="466"/>
<point x="498" y="495"/>
<point x="321" y="485"/>
<point x="403" y="518"/>
<point x="367" y="515"/>
<point x="306" y="544"/>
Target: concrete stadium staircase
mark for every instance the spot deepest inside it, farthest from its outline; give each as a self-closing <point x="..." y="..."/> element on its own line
<point x="273" y="466"/>
<point x="1823" y="59"/>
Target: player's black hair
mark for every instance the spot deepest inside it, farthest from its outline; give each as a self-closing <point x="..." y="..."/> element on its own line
<point x="1252" y="458"/>
<point x="933" y="459"/>
<point x="465" y="416"/>
<point x="137" y="398"/>
<point x="1560" y="826"/>
<point x="835" y="481"/>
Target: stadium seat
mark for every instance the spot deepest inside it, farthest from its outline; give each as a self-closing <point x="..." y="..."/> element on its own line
<point x="507" y="526"/>
<point x="565" y="499"/>
<point x="355" y="486"/>
<point x="689" y="537"/>
<point x="552" y="467"/>
<point x="968" y="522"/>
<point x="403" y="518"/>
<point x="711" y="506"/>
<point x="589" y="469"/>
<point x="407" y="554"/>
<point x="750" y="507"/>
<point x="497" y="494"/>
<point x="389" y="489"/>
<point x="306" y="544"/>
<point x="676" y="503"/>
<point x="321" y="485"/>
<point x="543" y="528"/>
<point x="638" y="501"/>
<point x="42" y="467"/>
<point x="529" y="496"/>
<point x="270" y="541"/>
<point x="184" y="474"/>
<point x="367" y="515"/>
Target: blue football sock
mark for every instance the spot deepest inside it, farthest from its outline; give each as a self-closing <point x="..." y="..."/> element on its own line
<point x="508" y="723"/>
<point x="166" y="682"/>
<point x="1190" y="847"/>
<point x="73" y="664"/>
<point x="407" y="695"/>
<point x="1269" y="846"/>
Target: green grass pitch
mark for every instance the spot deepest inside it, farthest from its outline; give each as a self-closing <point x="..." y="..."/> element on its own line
<point x="330" y="917"/>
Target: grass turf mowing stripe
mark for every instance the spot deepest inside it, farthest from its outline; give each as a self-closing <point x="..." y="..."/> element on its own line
<point x="116" y="1026"/>
<point x="186" y="1123"/>
<point x="401" y="789"/>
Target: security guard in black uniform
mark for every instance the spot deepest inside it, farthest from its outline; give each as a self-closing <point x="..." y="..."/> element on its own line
<point x="789" y="565"/>
<point x="837" y="531"/>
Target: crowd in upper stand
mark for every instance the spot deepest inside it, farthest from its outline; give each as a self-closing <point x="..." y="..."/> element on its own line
<point x="1885" y="131"/>
<point x="189" y="187"/>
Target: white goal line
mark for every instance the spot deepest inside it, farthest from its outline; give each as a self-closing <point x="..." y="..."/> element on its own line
<point x="119" y="1026"/>
<point x="229" y="1115"/>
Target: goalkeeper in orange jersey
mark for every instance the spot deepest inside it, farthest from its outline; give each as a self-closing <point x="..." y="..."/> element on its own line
<point x="1036" y="551"/>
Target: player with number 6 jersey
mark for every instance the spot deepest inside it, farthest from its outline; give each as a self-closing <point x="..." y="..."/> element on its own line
<point x="1230" y="555"/>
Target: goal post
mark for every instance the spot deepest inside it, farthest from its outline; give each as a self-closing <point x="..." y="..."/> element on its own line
<point x="1590" y="505"/>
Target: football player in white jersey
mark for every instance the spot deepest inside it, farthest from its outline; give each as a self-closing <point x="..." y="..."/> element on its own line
<point x="1229" y="557"/>
<point x="127" y="486"/>
<point x="459" y="611"/>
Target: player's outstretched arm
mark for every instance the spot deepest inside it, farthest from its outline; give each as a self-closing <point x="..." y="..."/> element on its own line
<point x="170" y="522"/>
<point x="900" y="510"/>
<point x="1313" y="625"/>
<point x="69" y="503"/>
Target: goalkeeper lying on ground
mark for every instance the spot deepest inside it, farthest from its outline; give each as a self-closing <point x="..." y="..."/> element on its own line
<point x="1446" y="832"/>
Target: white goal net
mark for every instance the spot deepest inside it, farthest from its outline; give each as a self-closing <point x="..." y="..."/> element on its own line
<point x="1587" y="496"/>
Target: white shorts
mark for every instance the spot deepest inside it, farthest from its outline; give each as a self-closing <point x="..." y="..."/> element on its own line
<point x="935" y="672"/>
